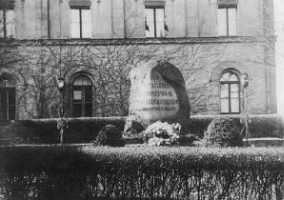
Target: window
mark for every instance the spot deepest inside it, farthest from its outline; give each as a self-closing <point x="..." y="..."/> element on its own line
<point x="155" y="21"/>
<point x="230" y="93"/>
<point x="7" y="23"/>
<point x="7" y="99"/>
<point x="227" y="18"/>
<point x="81" y="26"/>
<point x="82" y="97"/>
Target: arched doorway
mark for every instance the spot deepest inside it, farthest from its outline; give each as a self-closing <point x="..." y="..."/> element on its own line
<point x="7" y="98"/>
<point x="82" y="97"/>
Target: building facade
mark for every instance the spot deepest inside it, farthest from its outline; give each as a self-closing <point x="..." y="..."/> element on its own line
<point x="93" y="44"/>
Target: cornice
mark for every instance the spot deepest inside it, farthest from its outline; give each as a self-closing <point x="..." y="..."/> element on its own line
<point x="135" y="41"/>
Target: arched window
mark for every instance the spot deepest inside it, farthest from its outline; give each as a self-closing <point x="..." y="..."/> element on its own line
<point x="230" y="93"/>
<point x="82" y="97"/>
<point x="7" y="98"/>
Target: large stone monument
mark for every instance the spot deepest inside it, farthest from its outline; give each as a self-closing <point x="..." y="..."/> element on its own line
<point x="157" y="93"/>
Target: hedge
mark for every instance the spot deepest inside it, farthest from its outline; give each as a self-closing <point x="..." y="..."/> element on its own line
<point x="56" y="172"/>
<point x="259" y="125"/>
<point x="83" y="130"/>
<point x="79" y="130"/>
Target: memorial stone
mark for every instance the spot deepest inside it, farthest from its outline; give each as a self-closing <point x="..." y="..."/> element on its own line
<point x="157" y="93"/>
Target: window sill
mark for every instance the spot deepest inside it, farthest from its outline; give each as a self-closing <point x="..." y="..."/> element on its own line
<point x="224" y="114"/>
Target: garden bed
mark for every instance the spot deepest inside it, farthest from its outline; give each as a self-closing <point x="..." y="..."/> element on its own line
<point x="140" y="172"/>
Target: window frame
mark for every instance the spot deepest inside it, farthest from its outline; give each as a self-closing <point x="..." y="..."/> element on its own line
<point x="226" y="7"/>
<point x="8" y="87"/>
<point x="4" y="23"/>
<point x="80" y="9"/>
<point x="83" y="101"/>
<point x="228" y="92"/>
<point x="154" y="9"/>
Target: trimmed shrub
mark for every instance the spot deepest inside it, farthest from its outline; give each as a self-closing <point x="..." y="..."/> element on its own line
<point x="83" y="130"/>
<point x="79" y="173"/>
<point x="198" y="125"/>
<point x="224" y="132"/>
<point x="80" y="130"/>
<point x="266" y="126"/>
<point x="109" y="135"/>
<point x="259" y="125"/>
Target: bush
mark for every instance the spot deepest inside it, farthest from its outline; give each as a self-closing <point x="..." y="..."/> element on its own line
<point x="224" y="132"/>
<point x="266" y="126"/>
<point x="198" y="125"/>
<point x="259" y="125"/>
<point x="109" y="135"/>
<point x="53" y="172"/>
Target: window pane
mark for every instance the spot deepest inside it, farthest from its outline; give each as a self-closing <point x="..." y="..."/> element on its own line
<point x="235" y="105"/>
<point x="4" y="82"/>
<point x="229" y="76"/>
<point x="10" y="23"/>
<point x="77" y="110"/>
<point x="7" y="103"/>
<point x="3" y="104"/>
<point x="150" y="22"/>
<point x="224" y="90"/>
<point x="232" y="12"/>
<point x="225" y="77"/>
<point x="82" y="81"/>
<point x="235" y="90"/>
<point x="88" y="94"/>
<point x="224" y="105"/>
<point x="75" y="23"/>
<point x="160" y="22"/>
<point x="12" y="103"/>
<point x="77" y="95"/>
<point x="1" y="24"/>
<point x="233" y="77"/>
<point x="86" y="23"/>
<point x="88" y="109"/>
<point x="11" y="93"/>
<point x="222" y="22"/>
<point x="86" y="81"/>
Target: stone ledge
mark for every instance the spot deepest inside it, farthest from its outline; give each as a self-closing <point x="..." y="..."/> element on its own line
<point x="200" y="116"/>
<point x="263" y="142"/>
<point x="135" y="41"/>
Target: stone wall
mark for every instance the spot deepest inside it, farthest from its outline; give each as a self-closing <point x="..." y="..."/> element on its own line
<point x="200" y="61"/>
<point x="118" y="44"/>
